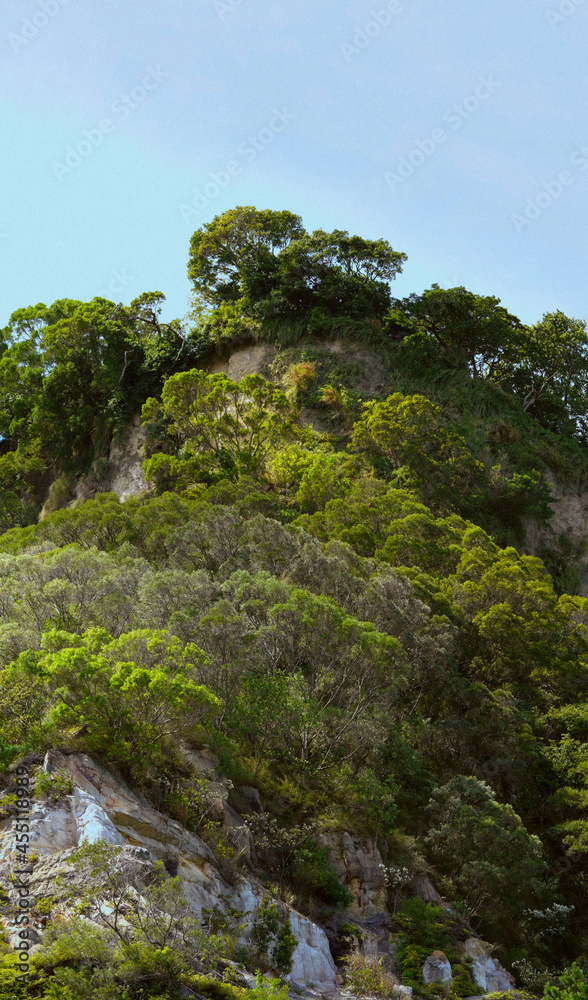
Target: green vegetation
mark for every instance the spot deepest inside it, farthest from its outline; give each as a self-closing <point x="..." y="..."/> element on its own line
<point x="571" y="986"/>
<point x="343" y="612"/>
<point x="426" y="927"/>
<point x="267" y="276"/>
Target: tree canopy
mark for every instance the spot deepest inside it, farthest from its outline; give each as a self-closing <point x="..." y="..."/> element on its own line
<point x="268" y="263"/>
<point x="474" y="329"/>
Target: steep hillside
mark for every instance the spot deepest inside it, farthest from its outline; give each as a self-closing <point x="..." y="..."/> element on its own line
<point x="293" y="641"/>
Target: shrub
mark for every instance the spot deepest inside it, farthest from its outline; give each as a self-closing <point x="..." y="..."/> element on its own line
<point x="425" y="924"/>
<point x="573" y="985"/>
<point x="313" y="872"/>
<point x="272" y="938"/>
<point x="411" y="958"/>
<point x="463" y="985"/>
<point x="53" y="786"/>
<point x="300" y="376"/>
<point x="216" y="989"/>
<point x="365" y="975"/>
<point x="267" y="988"/>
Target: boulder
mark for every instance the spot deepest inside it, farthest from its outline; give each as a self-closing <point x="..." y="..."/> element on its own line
<point x="246" y="799"/>
<point x="423" y="887"/>
<point x="437" y="968"/>
<point x="487" y="972"/>
<point x="241" y="835"/>
<point x="203" y="761"/>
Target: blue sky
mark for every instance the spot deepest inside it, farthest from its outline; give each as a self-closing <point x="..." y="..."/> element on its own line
<point x="454" y="129"/>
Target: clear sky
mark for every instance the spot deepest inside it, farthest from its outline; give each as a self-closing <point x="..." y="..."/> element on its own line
<point x="455" y="129"/>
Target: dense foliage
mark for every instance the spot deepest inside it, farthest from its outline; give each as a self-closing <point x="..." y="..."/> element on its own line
<point x="345" y="615"/>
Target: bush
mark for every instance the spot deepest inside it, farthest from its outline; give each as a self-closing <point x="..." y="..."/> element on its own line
<point x="313" y="873"/>
<point x="425" y="924"/>
<point x="272" y="938"/>
<point x="411" y="958"/>
<point x="492" y="864"/>
<point x="54" y="786"/>
<point x="365" y="975"/>
<point x="573" y="985"/>
<point x="463" y="985"/>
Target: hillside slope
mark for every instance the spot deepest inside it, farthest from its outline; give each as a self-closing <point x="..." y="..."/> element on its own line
<point x="293" y="641"/>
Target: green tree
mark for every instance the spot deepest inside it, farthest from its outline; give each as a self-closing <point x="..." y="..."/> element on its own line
<point x="22" y="478"/>
<point x="553" y="365"/>
<point x="148" y="940"/>
<point x="132" y="696"/>
<point x="77" y="371"/>
<point x="327" y="477"/>
<point x="569" y="759"/>
<point x="572" y="985"/>
<point x="236" y="424"/>
<point x="272" y="937"/>
<point x="238" y="251"/>
<point x="518" y="624"/>
<point x="277" y="272"/>
<point x="409" y="433"/>
<point x="325" y="275"/>
<point x="489" y="861"/>
<point x="464" y="327"/>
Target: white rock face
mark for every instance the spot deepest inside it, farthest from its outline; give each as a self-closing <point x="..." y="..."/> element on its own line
<point x="126" y="459"/>
<point x="51" y="829"/>
<point x="312" y="958"/>
<point x="402" y="992"/>
<point x="102" y="807"/>
<point x="486" y="971"/>
<point x="92" y="823"/>
<point x="244" y="361"/>
<point x="437" y="968"/>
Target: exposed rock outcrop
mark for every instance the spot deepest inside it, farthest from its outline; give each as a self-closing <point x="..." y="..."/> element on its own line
<point x="103" y="808"/>
<point x="570" y="520"/>
<point x="486" y="971"/>
<point x="437" y="968"/>
<point x="125" y="475"/>
<point x="250" y="360"/>
<point x="424" y="888"/>
<point x="125" y="462"/>
<point x="358" y="863"/>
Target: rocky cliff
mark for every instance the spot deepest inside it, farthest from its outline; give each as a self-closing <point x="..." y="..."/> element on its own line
<point x="101" y="807"/>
